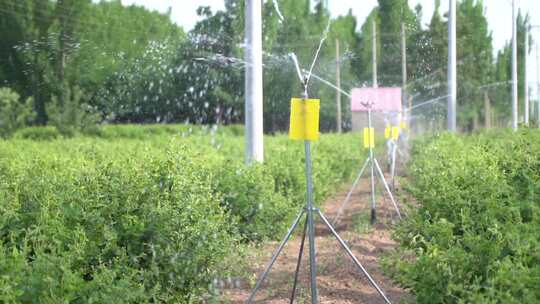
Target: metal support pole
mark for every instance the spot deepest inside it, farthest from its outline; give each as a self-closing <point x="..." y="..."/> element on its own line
<point x="349" y="194"/>
<point x="375" y="163"/>
<point x="532" y="108"/>
<point x="514" y="69"/>
<point x="254" y="82"/>
<point x="374" y="52"/>
<point x="310" y="210"/>
<point x="526" y="79"/>
<point x="409" y="113"/>
<point x="354" y="259"/>
<point x="373" y="204"/>
<point x="311" y="226"/>
<point x="487" y="111"/>
<point x="538" y="80"/>
<point x="404" y="69"/>
<point x="310" y="229"/>
<point x="274" y="257"/>
<point x="403" y="56"/>
<point x="393" y="166"/>
<point x="387" y="188"/>
<point x="452" y="66"/>
<point x="298" y="263"/>
<point x="338" y="92"/>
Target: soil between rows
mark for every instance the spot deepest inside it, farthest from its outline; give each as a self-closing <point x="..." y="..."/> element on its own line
<point x="338" y="280"/>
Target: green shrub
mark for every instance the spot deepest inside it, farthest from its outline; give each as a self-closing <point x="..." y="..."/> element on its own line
<point x="474" y="236"/>
<point x="235" y="130"/>
<point x="37" y="133"/>
<point x="14" y="114"/>
<point x="248" y="195"/>
<point x="146" y="218"/>
<point x="71" y="115"/>
<point x="263" y="199"/>
<point x="141" y="131"/>
<point x="161" y="130"/>
<point x="132" y="230"/>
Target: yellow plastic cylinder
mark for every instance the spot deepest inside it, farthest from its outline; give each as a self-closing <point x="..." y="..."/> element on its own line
<point x="304" y="122"/>
<point x="395" y="133"/>
<point x="387" y="132"/>
<point x="369" y="138"/>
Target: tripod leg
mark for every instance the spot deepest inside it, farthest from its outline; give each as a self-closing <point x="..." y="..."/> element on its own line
<point x="390" y="147"/>
<point x="346" y="201"/>
<point x="274" y="257"/>
<point x="355" y="260"/>
<point x="312" y="259"/>
<point x="387" y="188"/>
<point x="373" y="211"/>
<point x="311" y="226"/>
<point x="393" y="168"/>
<point x="384" y="200"/>
<point x="400" y="153"/>
<point x="293" y="294"/>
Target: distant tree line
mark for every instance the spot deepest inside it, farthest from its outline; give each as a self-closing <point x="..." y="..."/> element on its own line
<point x="120" y="64"/>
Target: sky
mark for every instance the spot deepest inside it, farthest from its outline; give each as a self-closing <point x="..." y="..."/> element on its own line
<point x="499" y="15"/>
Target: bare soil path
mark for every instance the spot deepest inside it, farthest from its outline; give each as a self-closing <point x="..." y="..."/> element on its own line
<point x="338" y="279"/>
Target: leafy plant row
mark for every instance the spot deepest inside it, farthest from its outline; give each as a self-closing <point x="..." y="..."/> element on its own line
<point x="473" y="236"/>
<point x="126" y="131"/>
<point x="93" y="220"/>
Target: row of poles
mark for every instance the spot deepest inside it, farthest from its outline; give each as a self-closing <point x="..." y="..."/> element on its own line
<point x="254" y="78"/>
<point x="452" y="70"/>
<point x="254" y="147"/>
<point x="254" y="118"/>
<point x="526" y="80"/>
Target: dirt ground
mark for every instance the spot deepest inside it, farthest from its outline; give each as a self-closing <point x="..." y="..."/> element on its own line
<point x="338" y="280"/>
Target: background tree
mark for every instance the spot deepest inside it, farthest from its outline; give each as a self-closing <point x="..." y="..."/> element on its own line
<point x="391" y="14"/>
<point x="475" y="60"/>
<point x="136" y="65"/>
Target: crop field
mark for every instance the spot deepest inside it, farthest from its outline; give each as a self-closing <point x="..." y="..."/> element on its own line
<point x="140" y="214"/>
<point x="473" y="233"/>
<point x="152" y="214"/>
<point x="269" y="151"/>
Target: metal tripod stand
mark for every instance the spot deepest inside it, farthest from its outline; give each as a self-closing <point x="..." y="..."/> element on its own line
<point x="394" y="151"/>
<point x="310" y="211"/>
<point x="375" y="169"/>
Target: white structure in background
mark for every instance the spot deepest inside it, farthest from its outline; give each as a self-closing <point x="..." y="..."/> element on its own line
<point x="386" y="109"/>
<point x="254" y="82"/>
<point x="452" y="76"/>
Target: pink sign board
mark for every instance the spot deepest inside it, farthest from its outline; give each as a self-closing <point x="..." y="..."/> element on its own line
<point x="381" y="99"/>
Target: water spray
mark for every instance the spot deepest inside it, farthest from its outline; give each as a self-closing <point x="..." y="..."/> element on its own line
<point x="304" y="125"/>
